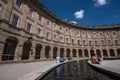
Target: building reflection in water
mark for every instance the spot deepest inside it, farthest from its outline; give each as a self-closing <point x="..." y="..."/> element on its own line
<point x="77" y="70"/>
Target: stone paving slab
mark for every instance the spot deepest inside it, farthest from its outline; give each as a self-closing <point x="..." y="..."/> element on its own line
<point x="24" y="71"/>
<point x="109" y="66"/>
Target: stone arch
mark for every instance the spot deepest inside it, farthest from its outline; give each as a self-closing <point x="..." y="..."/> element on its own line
<point x="61" y="52"/>
<point x="38" y="51"/>
<point x="9" y="48"/>
<point x="55" y="49"/>
<point x="26" y="50"/>
<point x="80" y="53"/>
<point x="112" y="53"/>
<point x="47" y="50"/>
<point x="118" y="53"/>
<point x="105" y="54"/>
<point x="74" y="53"/>
<point x="86" y="53"/>
<point x="92" y="53"/>
<point x="98" y="52"/>
<point x="68" y="53"/>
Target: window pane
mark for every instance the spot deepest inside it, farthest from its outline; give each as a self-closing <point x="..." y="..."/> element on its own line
<point x="19" y="3"/>
<point x="39" y="31"/>
<point x="29" y="27"/>
<point x="15" y="20"/>
<point x="40" y="17"/>
<point x="30" y="12"/>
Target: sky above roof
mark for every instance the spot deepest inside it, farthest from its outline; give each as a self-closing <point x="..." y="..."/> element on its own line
<point x="85" y="12"/>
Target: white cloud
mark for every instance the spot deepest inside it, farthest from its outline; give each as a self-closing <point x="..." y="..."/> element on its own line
<point x="74" y="22"/>
<point x="99" y="3"/>
<point x="79" y="14"/>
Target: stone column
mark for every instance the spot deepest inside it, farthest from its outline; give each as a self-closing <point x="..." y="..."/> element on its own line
<point x="108" y="53"/>
<point x="77" y="53"/>
<point x="42" y="56"/>
<point x="89" y="53"/>
<point x="101" y="53"/>
<point x="1" y="50"/>
<point x="115" y="53"/>
<point x="58" y="52"/>
<point x="71" y="53"/>
<point x="51" y="53"/>
<point x="65" y="54"/>
<point x="18" y="53"/>
<point x="83" y="53"/>
<point x="32" y="52"/>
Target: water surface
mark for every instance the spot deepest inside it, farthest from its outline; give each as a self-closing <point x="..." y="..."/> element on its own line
<point x="77" y="70"/>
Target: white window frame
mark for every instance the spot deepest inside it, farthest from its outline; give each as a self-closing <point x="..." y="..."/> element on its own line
<point x="89" y="34"/>
<point x="94" y="34"/>
<point x="103" y="42"/>
<point x="107" y="34"/>
<point x="83" y="34"/>
<point x="39" y="33"/>
<point x="115" y="41"/>
<point x="108" y="42"/>
<point x="14" y="15"/>
<point x="55" y="37"/>
<point x="101" y="34"/>
<point x="30" y="27"/>
<point x="61" y="29"/>
<point x="30" y="12"/>
<point x="114" y="35"/>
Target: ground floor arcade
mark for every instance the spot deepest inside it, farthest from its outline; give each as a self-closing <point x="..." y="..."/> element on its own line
<point x="25" y="49"/>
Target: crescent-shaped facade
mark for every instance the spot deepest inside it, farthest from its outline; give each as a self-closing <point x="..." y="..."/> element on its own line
<point x="28" y="31"/>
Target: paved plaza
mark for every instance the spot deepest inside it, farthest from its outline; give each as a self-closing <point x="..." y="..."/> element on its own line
<point x="29" y="71"/>
<point x="24" y="71"/>
<point x="109" y="66"/>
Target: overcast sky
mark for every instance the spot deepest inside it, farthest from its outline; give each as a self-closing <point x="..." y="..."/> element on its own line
<point x="85" y="12"/>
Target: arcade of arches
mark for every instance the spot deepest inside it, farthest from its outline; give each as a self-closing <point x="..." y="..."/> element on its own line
<point x="40" y="51"/>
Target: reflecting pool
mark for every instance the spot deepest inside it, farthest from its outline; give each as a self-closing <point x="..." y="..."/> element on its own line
<point x="77" y="70"/>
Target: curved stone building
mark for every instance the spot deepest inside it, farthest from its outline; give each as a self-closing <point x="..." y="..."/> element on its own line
<point x="28" y="31"/>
